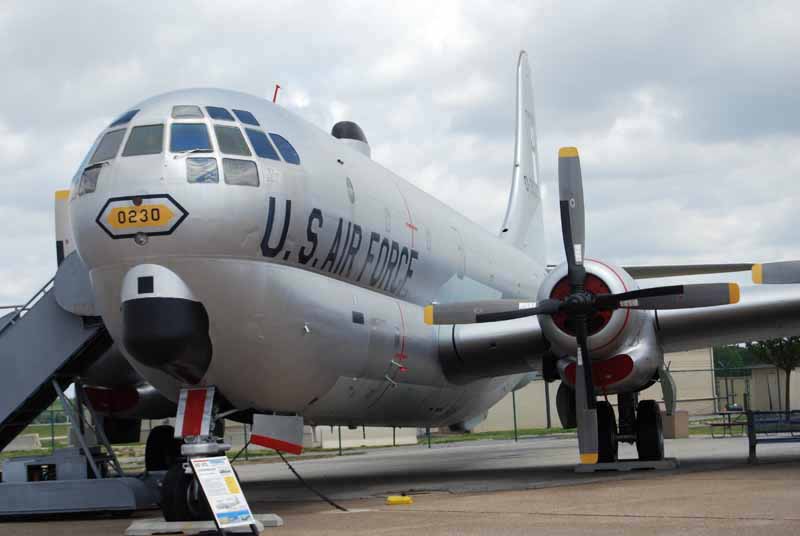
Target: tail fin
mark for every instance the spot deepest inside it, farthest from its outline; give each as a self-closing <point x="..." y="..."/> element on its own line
<point x="523" y="227"/>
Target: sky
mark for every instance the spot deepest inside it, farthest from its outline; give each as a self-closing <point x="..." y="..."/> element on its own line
<point x="687" y="114"/>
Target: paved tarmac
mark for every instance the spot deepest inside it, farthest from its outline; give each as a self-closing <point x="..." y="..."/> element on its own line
<point x="489" y="487"/>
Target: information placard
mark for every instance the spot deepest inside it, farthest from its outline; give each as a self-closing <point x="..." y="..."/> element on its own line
<point x="223" y="491"/>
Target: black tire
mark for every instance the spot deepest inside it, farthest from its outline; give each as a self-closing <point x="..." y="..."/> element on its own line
<point x="649" y="431"/>
<point x="162" y="450"/>
<point x="565" y="405"/>
<point x="181" y="497"/>
<point x="608" y="446"/>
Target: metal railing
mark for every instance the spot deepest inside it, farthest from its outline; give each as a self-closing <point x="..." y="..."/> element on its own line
<point x="20" y="310"/>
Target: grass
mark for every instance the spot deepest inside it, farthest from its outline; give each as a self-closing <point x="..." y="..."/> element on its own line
<point x="60" y="429"/>
<point x="506" y="434"/>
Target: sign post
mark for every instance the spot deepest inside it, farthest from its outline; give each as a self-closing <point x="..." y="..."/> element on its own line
<point x="223" y="492"/>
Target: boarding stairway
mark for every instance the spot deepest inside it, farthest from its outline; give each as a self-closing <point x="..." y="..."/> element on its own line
<point x="42" y="344"/>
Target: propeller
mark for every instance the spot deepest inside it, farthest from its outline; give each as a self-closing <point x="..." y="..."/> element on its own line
<point x="580" y="304"/>
<point x="786" y="272"/>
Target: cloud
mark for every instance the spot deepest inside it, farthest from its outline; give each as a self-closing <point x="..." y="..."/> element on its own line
<point x="687" y="116"/>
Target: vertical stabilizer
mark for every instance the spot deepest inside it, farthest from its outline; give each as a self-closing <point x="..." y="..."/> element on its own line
<point x="523" y="227"/>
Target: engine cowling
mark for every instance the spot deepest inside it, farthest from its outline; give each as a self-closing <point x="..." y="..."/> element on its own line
<point x="622" y="344"/>
<point x="609" y="331"/>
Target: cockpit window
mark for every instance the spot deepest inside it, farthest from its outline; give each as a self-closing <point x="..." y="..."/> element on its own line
<point x="246" y="117"/>
<point x="202" y="170"/>
<point x="231" y="141"/>
<point x="189" y="137"/>
<point x="147" y="139"/>
<point x="261" y="144"/>
<point x="215" y="112"/>
<point x="186" y="112"/>
<point x="88" y="183"/>
<point x="108" y="146"/>
<point x="124" y="118"/>
<point x="241" y="172"/>
<point x="287" y="151"/>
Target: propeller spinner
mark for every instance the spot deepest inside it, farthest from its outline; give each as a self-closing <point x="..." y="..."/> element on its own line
<point x="579" y="304"/>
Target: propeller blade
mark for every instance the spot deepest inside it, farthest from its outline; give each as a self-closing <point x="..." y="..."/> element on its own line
<point x="544" y="307"/>
<point x="672" y="297"/>
<point x="485" y="311"/>
<point x="570" y="195"/>
<point x="585" y="406"/>
<point x="786" y="272"/>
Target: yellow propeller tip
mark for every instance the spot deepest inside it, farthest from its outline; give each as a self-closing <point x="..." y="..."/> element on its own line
<point x="567" y="152"/>
<point x="62" y="195"/>
<point x="758" y="274"/>
<point x="428" y="314"/>
<point x="589" y="458"/>
<point x="733" y="293"/>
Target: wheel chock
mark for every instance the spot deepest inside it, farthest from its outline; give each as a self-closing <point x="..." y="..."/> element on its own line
<point x="393" y="500"/>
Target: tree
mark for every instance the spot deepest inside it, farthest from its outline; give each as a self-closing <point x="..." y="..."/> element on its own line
<point x="733" y="361"/>
<point x="783" y="353"/>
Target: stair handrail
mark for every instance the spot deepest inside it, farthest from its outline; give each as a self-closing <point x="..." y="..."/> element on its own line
<point x="21" y="310"/>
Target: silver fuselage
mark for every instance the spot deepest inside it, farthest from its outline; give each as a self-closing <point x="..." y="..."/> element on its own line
<point x="283" y="310"/>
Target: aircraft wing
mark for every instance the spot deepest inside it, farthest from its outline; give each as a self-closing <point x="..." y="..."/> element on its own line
<point x="672" y="270"/>
<point x="763" y="312"/>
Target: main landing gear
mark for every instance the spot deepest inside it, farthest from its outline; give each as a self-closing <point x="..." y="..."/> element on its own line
<point x="639" y="423"/>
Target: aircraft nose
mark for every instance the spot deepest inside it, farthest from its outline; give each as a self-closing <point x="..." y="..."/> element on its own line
<point x="164" y="325"/>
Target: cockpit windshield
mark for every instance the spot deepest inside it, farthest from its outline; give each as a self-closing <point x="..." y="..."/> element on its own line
<point x="148" y="139"/>
<point x="108" y="146"/>
<point x="189" y="137"/>
<point x="231" y="141"/>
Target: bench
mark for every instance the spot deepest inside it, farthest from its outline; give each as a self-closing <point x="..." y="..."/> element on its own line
<point x="771" y="427"/>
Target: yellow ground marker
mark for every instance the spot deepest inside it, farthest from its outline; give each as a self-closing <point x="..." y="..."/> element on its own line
<point x="394" y="500"/>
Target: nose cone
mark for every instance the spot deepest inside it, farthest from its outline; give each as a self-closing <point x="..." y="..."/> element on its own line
<point x="164" y="327"/>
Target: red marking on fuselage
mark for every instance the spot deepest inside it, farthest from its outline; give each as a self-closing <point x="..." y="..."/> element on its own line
<point x="413" y="231"/>
<point x="401" y="355"/>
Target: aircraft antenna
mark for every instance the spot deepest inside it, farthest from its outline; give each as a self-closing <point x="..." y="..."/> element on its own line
<point x="275" y="95"/>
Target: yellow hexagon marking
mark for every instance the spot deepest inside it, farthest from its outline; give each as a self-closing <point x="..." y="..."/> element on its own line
<point x="133" y="217"/>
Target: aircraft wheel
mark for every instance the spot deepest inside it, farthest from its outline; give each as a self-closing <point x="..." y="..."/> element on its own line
<point x="162" y="450"/>
<point x="607" y="443"/>
<point x="181" y="497"/>
<point x="649" y="431"/>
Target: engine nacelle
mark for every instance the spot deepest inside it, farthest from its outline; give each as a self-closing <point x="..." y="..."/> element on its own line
<point x="622" y="344"/>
